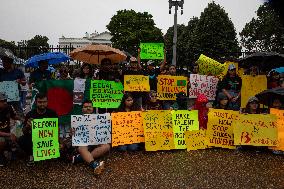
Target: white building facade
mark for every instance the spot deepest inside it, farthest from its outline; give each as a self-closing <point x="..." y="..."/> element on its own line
<point x="93" y="38"/>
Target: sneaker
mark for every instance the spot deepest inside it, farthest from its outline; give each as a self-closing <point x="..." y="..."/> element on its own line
<point x="277" y="152"/>
<point x="30" y="162"/>
<point x="77" y="159"/>
<point x="98" y="167"/>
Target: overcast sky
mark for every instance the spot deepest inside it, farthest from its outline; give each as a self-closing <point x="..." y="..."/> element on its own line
<point x="23" y="19"/>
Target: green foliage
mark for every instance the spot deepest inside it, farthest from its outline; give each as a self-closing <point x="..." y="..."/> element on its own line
<point x="264" y="33"/>
<point x="8" y="45"/>
<point x="128" y="28"/>
<point x="37" y="45"/>
<point x="213" y="34"/>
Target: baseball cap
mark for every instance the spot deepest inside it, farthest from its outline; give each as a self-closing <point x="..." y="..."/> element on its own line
<point x="231" y="67"/>
<point x="252" y="99"/>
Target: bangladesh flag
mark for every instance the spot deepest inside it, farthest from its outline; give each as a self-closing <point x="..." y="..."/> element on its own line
<point x="60" y="97"/>
<point x="181" y="82"/>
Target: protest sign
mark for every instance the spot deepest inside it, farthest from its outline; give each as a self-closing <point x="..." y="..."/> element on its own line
<point x="220" y="128"/>
<point x="106" y="94"/>
<point x="45" y="138"/>
<point x="203" y="84"/>
<point x="256" y="130"/>
<point x="79" y="85"/>
<point x="252" y="85"/>
<point x="78" y="91"/>
<point x="91" y="129"/>
<point x="208" y="66"/>
<point x="152" y="50"/>
<point x="136" y="83"/>
<point x="11" y="89"/>
<point x="158" y="130"/>
<point x="168" y="86"/>
<point x="183" y="120"/>
<point x="127" y="128"/>
<point x="280" y="128"/>
<point x="195" y="140"/>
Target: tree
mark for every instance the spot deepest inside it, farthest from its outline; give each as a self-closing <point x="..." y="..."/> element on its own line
<point x="215" y="34"/>
<point x="128" y="28"/>
<point x="8" y="45"/>
<point x="37" y="45"/>
<point x="264" y="33"/>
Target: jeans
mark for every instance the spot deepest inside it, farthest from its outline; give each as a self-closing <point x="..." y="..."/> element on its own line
<point x="128" y="147"/>
<point x="25" y="142"/>
<point x="23" y="95"/>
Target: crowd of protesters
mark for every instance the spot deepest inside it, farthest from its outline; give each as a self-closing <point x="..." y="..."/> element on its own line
<point x="228" y="97"/>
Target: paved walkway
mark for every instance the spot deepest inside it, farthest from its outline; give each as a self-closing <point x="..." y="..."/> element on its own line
<point x="211" y="168"/>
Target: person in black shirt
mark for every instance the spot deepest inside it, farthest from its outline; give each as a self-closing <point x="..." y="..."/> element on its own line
<point x="41" y="111"/>
<point x="6" y="113"/>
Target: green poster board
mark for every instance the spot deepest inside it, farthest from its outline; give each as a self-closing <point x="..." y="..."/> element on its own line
<point x="152" y="51"/>
<point x="45" y="138"/>
<point x="106" y="94"/>
<point x="183" y="120"/>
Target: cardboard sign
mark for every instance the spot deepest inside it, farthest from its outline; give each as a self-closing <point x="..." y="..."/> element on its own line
<point x="183" y="120"/>
<point x="106" y="94"/>
<point x="252" y="85"/>
<point x="127" y="128"/>
<point x="11" y="89"/>
<point x="256" y="130"/>
<point x="152" y="51"/>
<point x="45" y="138"/>
<point x="136" y="83"/>
<point x="203" y="84"/>
<point x="280" y="128"/>
<point x="91" y="129"/>
<point x="220" y="131"/>
<point x="168" y="86"/>
<point x="158" y="130"/>
<point x="209" y="66"/>
<point x="195" y="140"/>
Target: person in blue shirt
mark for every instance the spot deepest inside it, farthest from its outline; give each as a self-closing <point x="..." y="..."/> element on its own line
<point x="41" y="73"/>
<point x="9" y="73"/>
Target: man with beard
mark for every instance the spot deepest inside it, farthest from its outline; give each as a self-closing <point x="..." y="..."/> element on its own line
<point x="41" y="111"/>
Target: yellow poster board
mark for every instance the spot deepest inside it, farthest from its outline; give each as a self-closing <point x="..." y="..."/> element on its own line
<point x="256" y="130"/>
<point x="252" y="85"/>
<point x="127" y="128"/>
<point x="168" y="86"/>
<point x="280" y="128"/>
<point x="209" y="66"/>
<point x="183" y="120"/>
<point x="158" y="130"/>
<point x="220" y="131"/>
<point x="195" y="140"/>
<point x="136" y="83"/>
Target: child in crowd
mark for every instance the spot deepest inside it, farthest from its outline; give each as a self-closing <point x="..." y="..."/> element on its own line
<point x="222" y="101"/>
<point x="252" y="107"/>
<point x="128" y="105"/>
<point x="152" y="101"/>
<point x="201" y="106"/>
<point x="181" y="102"/>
